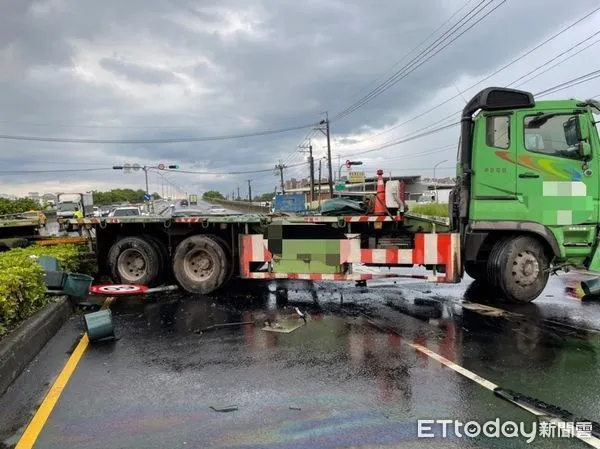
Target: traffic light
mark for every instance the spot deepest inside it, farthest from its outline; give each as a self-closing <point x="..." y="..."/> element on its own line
<point x="174" y="167"/>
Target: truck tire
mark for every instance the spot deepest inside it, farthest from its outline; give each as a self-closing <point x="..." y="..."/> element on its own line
<point x="134" y="260"/>
<point x="200" y="264"/>
<point x="165" y="262"/>
<point x="518" y="266"/>
<point x="477" y="270"/>
<point x="221" y="241"/>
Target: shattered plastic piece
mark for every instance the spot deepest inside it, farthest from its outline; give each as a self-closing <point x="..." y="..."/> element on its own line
<point x="224" y="408"/>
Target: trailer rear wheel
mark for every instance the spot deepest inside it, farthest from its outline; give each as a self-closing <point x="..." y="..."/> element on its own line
<point x="134" y="260"/>
<point x="200" y="264"/>
<point x="518" y="266"/>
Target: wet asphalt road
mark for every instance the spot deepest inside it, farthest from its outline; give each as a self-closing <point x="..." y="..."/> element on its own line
<point x="349" y="370"/>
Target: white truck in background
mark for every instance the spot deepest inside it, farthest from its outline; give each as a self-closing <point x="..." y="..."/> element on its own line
<point x="67" y="202"/>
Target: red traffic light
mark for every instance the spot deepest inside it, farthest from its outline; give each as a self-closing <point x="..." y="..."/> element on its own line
<point x="348" y="163"/>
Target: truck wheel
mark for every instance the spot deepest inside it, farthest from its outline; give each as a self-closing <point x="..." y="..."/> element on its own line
<point x="221" y="241"/>
<point x="200" y="264"/>
<point x="518" y="266"/>
<point x="165" y="262"/>
<point x="477" y="270"/>
<point x="134" y="260"/>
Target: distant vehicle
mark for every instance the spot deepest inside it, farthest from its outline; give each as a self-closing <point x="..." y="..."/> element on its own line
<point x="184" y="203"/>
<point x="193" y="200"/>
<point x="217" y="210"/>
<point x="97" y="212"/>
<point x="127" y="211"/>
<point x="67" y="202"/>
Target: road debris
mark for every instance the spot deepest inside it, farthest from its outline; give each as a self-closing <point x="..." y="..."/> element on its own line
<point x="224" y="408"/>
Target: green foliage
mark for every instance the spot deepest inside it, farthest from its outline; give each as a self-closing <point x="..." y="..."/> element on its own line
<point x="213" y="195"/>
<point x="156" y="196"/>
<point x="265" y="197"/>
<point x="17" y="206"/>
<point x="116" y="196"/>
<point x="22" y="287"/>
<point x="433" y="209"/>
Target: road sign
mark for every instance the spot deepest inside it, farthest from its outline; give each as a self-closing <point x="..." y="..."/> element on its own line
<point x="136" y="167"/>
<point x="348" y="163"/>
<point x="118" y="289"/>
<point x="356" y="177"/>
<point x="147" y="197"/>
<point x="127" y="168"/>
<point x="339" y="186"/>
<point x="161" y="166"/>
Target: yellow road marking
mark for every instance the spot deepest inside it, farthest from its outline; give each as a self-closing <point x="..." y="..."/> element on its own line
<point x="42" y="414"/>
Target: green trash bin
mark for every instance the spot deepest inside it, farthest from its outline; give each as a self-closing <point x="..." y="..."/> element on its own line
<point x="78" y="285"/>
<point x="99" y="325"/>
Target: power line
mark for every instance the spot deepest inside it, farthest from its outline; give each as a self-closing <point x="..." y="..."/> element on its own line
<point x="512" y="62"/>
<point x="155" y="141"/>
<point x="404" y="140"/>
<point x="64" y="170"/>
<point x="414" y="49"/>
<point x="569" y="83"/>
<point x="557" y="64"/>
<point x="418" y="61"/>
<point x="193" y="172"/>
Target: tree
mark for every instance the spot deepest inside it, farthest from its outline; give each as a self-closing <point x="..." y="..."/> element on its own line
<point x="156" y="196"/>
<point x="116" y="196"/>
<point x="212" y="195"/>
<point x="264" y="197"/>
<point x="18" y="206"/>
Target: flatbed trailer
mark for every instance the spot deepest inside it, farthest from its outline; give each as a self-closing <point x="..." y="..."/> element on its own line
<point x="203" y="253"/>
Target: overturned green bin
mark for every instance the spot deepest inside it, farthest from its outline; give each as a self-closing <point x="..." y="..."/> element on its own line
<point x="99" y="325"/>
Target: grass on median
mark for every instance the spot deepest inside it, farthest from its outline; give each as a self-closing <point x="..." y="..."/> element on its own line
<point x="22" y="286"/>
<point x="433" y="209"/>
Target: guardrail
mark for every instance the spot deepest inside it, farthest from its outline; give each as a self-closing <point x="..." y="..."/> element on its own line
<point x="240" y="206"/>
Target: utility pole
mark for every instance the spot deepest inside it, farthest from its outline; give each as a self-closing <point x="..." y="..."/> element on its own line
<point x="280" y="167"/>
<point x="312" y="169"/>
<point x="238" y="189"/>
<point x="249" y="191"/>
<point x="325" y="124"/>
<point x="320" y="161"/>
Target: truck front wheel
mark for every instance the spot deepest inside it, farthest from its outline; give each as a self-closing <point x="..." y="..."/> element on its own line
<point x="518" y="266"/>
<point x="200" y="264"/>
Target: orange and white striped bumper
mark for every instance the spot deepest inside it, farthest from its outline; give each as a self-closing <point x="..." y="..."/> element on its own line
<point x="429" y="249"/>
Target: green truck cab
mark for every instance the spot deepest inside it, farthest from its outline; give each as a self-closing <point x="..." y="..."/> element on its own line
<point x="527" y="196"/>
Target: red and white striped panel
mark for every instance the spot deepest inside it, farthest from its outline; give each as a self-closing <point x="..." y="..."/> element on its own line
<point x="189" y="219"/>
<point x="349" y="219"/>
<point x="340" y="277"/>
<point x="255" y="248"/>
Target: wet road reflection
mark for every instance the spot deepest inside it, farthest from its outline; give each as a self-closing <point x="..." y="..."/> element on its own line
<point x="345" y="378"/>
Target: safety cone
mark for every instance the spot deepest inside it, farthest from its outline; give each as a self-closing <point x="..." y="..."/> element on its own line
<point x="380" y="197"/>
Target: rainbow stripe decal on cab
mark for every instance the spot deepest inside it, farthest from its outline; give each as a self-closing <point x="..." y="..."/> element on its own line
<point x="542" y="164"/>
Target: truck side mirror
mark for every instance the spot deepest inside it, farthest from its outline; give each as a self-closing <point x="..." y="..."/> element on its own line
<point x="576" y="130"/>
<point x="585" y="150"/>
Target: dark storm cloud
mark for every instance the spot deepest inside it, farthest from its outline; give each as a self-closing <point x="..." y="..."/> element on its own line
<point x="130" y="69"/>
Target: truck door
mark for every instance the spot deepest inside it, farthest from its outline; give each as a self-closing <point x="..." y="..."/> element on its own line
<point x="555" y="185"/>
<point x="494" y="187"/>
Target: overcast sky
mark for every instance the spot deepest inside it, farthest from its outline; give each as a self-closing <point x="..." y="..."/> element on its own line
<point x="156" y="69"/>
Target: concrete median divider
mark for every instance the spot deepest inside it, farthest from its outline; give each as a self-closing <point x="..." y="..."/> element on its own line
<point x="22" y="345"/>
<point x="240" y="206"/>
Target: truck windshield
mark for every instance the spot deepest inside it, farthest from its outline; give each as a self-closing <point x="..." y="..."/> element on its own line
<point x="67" y="206"/>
